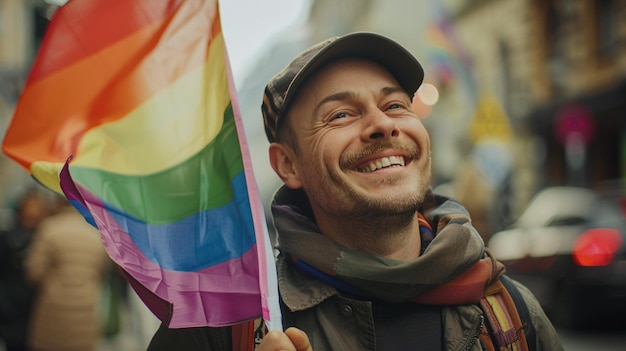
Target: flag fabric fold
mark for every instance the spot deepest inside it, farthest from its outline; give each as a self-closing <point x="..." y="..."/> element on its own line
<point x="130" y="112"/>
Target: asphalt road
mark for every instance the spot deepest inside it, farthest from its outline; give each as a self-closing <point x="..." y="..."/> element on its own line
<point x="582" y="340"/>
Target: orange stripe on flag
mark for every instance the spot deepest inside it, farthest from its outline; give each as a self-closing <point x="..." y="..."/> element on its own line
<point x="78" y="16"/>
<point x="105" y="87"/>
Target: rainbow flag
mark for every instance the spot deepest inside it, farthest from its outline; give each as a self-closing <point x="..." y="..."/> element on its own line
<point x="129" y="110"/>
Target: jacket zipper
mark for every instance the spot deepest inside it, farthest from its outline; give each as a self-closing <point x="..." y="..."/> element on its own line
<point x="476" y="335"/>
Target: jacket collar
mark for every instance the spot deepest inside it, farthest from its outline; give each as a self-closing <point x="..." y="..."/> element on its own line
<point x="298" y="290"/>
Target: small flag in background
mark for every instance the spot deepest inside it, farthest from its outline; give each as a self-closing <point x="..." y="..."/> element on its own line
<point x="130" y="111"/>
<point x="450" y="62"/>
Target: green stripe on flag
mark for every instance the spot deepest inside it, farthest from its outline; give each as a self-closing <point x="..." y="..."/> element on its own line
<point x="200" y="183"/>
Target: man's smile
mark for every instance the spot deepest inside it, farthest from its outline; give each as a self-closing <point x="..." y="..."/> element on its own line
<point x="381" y="163"/>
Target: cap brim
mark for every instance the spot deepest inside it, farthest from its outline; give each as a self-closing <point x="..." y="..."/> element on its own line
<point x="396" y="59"/>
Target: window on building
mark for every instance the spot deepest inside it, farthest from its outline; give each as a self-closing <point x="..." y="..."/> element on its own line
<point x="506" y="77"/>
<point x="555" y="49"/>
<point x="606" y="27"/>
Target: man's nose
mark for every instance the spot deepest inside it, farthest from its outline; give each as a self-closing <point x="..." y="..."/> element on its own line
<point x="378" y="125"/>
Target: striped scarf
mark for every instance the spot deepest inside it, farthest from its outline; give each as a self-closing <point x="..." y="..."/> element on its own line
<point x="452" y="269"/>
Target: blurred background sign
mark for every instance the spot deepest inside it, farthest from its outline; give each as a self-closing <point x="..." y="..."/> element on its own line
<point x="490" y="121"/>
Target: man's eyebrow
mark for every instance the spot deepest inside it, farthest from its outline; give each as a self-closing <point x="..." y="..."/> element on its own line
<point x="392" y="90"/>
<point x="343" y="95"/>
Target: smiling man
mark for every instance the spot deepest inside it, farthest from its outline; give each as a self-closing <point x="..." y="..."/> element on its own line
<point x="361" y="155"/>
<point x="370" y="258"/>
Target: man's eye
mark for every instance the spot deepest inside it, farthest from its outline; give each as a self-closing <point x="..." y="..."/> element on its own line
<point x="394" y="106"/>
<point x="340" y="115"/>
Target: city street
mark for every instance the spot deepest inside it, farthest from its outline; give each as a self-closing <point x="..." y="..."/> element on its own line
<point x="593" y="340"/>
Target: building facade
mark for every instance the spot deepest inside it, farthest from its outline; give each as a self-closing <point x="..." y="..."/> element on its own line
<point x="22" y="23"/>
<point x="558" y="69"/>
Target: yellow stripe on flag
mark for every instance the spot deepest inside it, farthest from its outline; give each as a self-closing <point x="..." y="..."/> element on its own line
<point x="175" y="124"/>
<point x="47" y="173"/>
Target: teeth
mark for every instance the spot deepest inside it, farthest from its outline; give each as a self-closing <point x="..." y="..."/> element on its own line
<point x="383" y="163"/>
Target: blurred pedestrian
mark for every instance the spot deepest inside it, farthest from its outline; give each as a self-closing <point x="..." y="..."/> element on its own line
<point x="16" y="293"/>
<point x="68" y="262"/>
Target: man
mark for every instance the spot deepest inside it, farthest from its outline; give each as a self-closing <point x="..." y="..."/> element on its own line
<point x="370" y="258"/>
<point x="17" y="294"/>
<point x="67" y="262"/>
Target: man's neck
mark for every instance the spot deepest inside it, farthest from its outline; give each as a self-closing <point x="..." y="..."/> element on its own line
<point x="396" y="237"/>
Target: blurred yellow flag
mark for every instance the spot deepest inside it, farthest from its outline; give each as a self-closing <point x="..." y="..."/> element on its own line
<point x="490" y="121"/>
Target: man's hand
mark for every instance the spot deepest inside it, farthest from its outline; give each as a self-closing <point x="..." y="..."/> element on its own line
<point x="292" y="339"/>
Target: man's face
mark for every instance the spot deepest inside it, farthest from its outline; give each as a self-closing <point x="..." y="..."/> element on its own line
<point x="361" y="150"/>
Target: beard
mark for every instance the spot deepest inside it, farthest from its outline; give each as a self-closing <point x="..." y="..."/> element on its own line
<point x="347" y="202"/>
<point x="407" y="204"/>
<point x="338" y="197"/>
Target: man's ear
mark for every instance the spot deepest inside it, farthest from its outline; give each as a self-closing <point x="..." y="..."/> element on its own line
<point x="282" y="161"/>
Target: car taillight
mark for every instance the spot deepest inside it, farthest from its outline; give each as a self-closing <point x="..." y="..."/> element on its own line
<point x="597" y="247"/>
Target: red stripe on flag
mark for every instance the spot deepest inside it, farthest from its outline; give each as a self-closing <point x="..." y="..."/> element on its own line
<point x="105" y="86"/>
<point x="71" y="26"/>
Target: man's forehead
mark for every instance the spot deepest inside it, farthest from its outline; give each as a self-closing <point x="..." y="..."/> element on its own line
<point x="347" y="78"/>
<point x="281" y="91"/>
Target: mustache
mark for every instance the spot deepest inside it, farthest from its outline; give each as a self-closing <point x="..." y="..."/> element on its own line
<point x="410" y="150"/>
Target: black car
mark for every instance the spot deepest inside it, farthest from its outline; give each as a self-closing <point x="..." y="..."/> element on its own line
<point x="569" y="248"/>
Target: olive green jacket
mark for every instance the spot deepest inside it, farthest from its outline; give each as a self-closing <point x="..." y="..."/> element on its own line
<point x="338" y="323"/>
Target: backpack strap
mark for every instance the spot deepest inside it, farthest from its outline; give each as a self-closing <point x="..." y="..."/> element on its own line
<point x="503" y="329"/>
<point x="247" y="336"/>
<point x="522" y="309"/>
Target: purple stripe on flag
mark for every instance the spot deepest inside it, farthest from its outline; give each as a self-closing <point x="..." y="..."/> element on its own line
<point x="220" y="295"/>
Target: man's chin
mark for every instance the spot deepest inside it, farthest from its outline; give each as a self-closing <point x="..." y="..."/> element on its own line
<point x="393" y="205"/>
